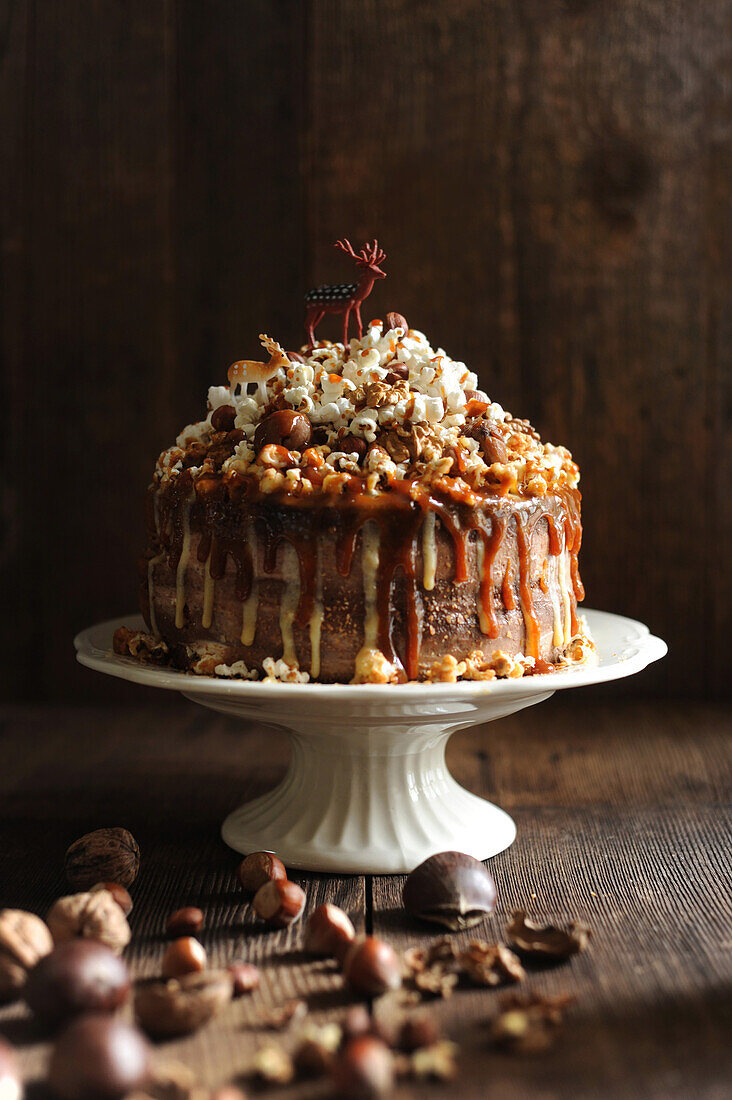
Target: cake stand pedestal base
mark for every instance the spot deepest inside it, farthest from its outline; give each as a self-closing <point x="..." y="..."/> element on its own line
<point x="370" y="792"/>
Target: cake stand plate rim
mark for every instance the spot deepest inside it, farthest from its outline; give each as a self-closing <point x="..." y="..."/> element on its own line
<point x="625" y="647"/>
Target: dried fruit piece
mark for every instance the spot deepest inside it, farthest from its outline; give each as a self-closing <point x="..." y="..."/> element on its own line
<point x="546" y="941"/>
<point x="104" y="854"/>
<point x="24" y="939"/>
<point x="452" y="889"/>
<point x="181" y="1005"/>
<point x="491" y="964"/>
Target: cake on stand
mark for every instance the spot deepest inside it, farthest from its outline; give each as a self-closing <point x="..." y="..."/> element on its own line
<point x="367" y="789"/>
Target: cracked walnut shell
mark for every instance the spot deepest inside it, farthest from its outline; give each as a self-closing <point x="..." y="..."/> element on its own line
<point x="94" y="916"/>
<point x="24" y="940"/>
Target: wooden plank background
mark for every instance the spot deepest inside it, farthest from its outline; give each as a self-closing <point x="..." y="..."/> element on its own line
<point x="550" y="179"/>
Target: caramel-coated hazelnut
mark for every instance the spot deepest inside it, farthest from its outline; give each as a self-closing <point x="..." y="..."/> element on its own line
<point x="98" y="1058"/>
<point x="279" y="903"/>
<point x="24" y="939"/>
<point x="119" y="894"/>
<point x="286" y="427"/>
<point x="371" y="967"/>
<point x="222" y="419"/>
<point x="245" y="977"/>
<point x="351" y="444"/>
<point x="104" y="854"/>
<point x="77" y="976"/>
<point x="258" y="868"/>
<point x="452" y="889"/>
<point x="183" y="956"/>
<point x="364" y="1069"/>
<point x="329" y="932"/>
<point x="492" y="445"/>
<point x="184" y="922"/>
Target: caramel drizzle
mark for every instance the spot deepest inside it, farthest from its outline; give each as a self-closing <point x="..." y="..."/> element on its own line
<point x="389" y="557"/>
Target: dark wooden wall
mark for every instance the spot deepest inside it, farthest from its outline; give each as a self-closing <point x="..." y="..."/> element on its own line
<point x="550" y="179"/>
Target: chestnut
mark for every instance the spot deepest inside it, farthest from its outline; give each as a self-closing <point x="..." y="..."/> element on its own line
<point x="183" y="956"/>
<point x="364" y="1069"/>
<point x="184" y="922"/>
<point x="279" y="903"/>
<point x="452" y="889"/>
<point x="329" y="931"/>
<point x="371" y="966"/>
<point x="99" y="1058"/>
<point x="258" y="868"/>
<point x="286" y="427"/>
<point x="77" y="976"/>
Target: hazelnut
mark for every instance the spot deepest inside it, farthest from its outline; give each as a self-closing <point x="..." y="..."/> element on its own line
<point x="353" y="443"/>
<point x="78" y="976"/>
<point x="24" y="939"/>
<point x="329" y="931"/>
<point x="119" y="894"/>
<point x="222" y="419"/>
<point x="181" y="1005"/>
<point x="105" y="854"/>
<point x="11" y="1085"/>
<point x="492" y="445"/>
<point x="258" y="868"/>
<point x="183" y="956"/>
<point x="417" y="1032"/>
<point x="245" y="977"/>
<point x="398" y="372"/>
<point x="452" y="889"/>
<point x="93" y="916"/>
<point x="287" y="428"/>
<point x="295" y="357"/>
<point x="279" y="903"/>
<point x="98" y="1058"/>
<point x="184" y="922"/>
<point x="364" y="1069"/>
<point x="396" y="320"/>
<point x="371" y="967"/>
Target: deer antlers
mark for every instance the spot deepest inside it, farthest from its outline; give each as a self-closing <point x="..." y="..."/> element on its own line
<point x="369" y="254"/>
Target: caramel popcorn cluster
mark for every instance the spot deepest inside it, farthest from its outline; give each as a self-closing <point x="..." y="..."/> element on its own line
<point x="386" y="408"/>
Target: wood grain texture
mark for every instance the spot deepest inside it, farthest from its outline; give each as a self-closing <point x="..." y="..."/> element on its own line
<point x="623" y="818"/>
<point x="551" y="182"/>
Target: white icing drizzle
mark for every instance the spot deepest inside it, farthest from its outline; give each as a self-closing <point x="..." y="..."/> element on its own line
<point x="180" y="573"/>
<point x="289" y="602"/>
<point x="564" y="586"/>
<point x="150" y="570"/>
<point x="554" y="571"/>
<point x="316" y="618"/>
<point x="208" y="594"/>
<point x="480" y="560"/>
<point x="249" y="609"/>
<point x="429" y="552"/>
<point x="370" y="569"/>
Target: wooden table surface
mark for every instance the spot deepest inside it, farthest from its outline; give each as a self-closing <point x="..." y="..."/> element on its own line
<point x="622" y="823"/>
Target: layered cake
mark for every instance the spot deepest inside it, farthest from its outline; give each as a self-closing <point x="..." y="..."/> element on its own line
<point x="360" y="512"/>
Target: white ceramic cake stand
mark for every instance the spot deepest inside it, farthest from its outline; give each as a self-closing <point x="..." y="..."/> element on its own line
<point x="367" y="789"/>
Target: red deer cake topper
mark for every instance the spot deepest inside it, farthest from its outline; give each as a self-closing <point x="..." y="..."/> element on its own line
<point x="344" y="297"/>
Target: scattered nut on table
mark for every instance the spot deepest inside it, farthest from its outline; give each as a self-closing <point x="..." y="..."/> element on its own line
<point x="100" y="1057"/>
<point x="279" y="902"/>
<point x="452" y="889"/>
<point x="103" y="855"/>
<point x="329" y="932"/>
<point x="184" y="922"/>
<point x="120" y="895"/>
<point x="258" y="868"/>
<point x="184" y="956"/>
<point x="181" y="1005"/>
<point x="24" y="939"/>
<point x="371" y="966"/>
<point x="364" y="1068"/>
<point x="77" y="976"/>
<point x="94" y="915"/>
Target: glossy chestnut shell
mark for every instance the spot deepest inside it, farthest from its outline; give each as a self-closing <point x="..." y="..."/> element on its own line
<point x="452" y="889"/>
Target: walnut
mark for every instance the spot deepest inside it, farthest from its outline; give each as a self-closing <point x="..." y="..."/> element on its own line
<point x="377" y="394"/>
<point x="94" y="916"/>
<point x="491" y="964"/>
<point x="24" y="939"/>
<point x="546" y="941"/>
<point x="396" y="447"/>
<point x="105" y="855"/>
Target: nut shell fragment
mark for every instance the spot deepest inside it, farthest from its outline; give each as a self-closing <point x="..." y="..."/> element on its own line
<point x="180" y="1006"/>
<point x="546" y="941"/>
